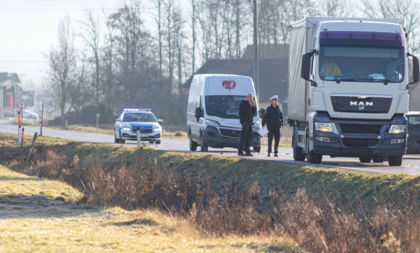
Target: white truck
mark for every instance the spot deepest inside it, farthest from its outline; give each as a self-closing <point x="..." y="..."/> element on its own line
<point x="348" y="89"/>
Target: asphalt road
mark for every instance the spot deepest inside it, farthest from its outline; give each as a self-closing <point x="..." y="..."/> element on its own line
<point x="411" y="164"/>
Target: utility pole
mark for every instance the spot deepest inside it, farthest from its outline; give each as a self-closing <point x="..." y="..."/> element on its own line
<point x="256" y="64"/>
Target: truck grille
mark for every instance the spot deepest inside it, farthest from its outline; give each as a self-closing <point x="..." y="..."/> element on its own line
<point x="360" y="142"/>
<point x="360" y="129"/>
<point x="361" y="103"/>
<point x="230" y="132"/>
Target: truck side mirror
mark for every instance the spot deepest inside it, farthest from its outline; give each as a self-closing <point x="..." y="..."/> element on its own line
<point x="413" y="75"/>
<point x="198" y="113"/>
<point x="306" y="66"/>
<point x="305" y="71"/>
<point x="262" y="113"/>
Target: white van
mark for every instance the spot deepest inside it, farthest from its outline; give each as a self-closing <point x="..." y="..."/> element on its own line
<point x="213" y="111"/>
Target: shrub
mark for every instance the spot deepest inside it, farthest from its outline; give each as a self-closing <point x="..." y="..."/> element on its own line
<point x="88" y="114"/>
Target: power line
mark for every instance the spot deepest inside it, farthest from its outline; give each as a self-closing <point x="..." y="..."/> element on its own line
<point x="21" y="61"/>
<point x="36" y="9"/>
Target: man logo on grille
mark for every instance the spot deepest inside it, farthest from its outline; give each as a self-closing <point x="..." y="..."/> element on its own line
<point x="361" y="105"/>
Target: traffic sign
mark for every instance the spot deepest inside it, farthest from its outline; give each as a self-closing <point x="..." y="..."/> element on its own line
<point x="22" y="104"/>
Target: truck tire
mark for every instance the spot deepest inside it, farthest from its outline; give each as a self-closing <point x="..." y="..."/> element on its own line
<point x="365" y="159"/>
<point x="298" y="154"/>
<point x="313" y="158"/>
<point x="257" y="149"/>
<point x="193" y="144"/>
<point x="395" y="160"/>
<point x="378" y="159"/>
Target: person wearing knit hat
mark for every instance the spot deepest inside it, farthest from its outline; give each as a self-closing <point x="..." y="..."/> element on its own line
<point x="273" y="118"/>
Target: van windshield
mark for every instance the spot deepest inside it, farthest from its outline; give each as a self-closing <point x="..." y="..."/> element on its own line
<point x="223" y="106"/>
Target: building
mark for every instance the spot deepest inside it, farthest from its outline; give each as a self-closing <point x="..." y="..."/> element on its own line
<point x="9" y="92"/>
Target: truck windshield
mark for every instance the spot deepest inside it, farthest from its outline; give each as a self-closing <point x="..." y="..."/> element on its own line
<point x="361" y="64"/>
<point x="223" y="106"/>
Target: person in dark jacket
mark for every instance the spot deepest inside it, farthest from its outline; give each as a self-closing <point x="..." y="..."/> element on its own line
<point x="247" y="111"/>
<point x="274" y="119"/>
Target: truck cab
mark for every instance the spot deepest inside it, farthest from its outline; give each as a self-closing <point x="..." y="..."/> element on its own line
<point x="355" y="74"/>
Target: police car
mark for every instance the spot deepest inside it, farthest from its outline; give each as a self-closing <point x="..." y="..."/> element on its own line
<point x="131" y="120"/>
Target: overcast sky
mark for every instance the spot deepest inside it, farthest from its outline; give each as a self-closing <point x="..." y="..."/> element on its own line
<point x="29" y="29"/>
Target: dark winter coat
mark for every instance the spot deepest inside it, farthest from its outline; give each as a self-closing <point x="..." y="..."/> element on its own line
<point x="273" y="118"/>
<point x="246" y="112"/>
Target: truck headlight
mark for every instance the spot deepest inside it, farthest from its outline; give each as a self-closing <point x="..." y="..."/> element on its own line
<point x="212" y="122"/>
<point x="126" y="128"/>
<point x="397" y="129"/>
<point x="323" y="127"/>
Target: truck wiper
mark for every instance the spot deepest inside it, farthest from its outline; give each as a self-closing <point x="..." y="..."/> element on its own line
<point x="345" y="80"/>
<point x="385" y="81"/>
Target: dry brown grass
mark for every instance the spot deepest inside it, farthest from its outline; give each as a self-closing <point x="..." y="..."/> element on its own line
<point x="329" y="217"/>
<point x="31" y="220"/>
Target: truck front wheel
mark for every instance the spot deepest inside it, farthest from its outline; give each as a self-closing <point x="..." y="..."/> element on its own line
<point x="395" y="160"/>
<point x="312" y="157"/>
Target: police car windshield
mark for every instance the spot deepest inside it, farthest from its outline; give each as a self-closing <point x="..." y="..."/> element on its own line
<point x="139" y="117"/>
<point x="223" y="106"/>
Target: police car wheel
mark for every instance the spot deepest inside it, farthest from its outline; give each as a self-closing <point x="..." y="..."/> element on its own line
<point x="116" y="140"/>
<point x="151" y="141"/>
<point x="157" y="142"/>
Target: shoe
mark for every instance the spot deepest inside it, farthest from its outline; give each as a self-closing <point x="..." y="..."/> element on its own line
<point x="241" y="154"/>
<point x="276" y="155"/>
<point x="268" y="155"/>
<point x="249" y="154"/>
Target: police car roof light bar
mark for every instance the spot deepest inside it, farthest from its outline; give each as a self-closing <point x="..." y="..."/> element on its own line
<point x="137" y="110"/>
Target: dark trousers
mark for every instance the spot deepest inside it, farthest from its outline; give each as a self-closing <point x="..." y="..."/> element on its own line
<point x="276" y="134"/>
<point x="246" y="138"/>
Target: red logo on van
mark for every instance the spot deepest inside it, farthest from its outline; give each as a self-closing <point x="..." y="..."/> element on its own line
<point x="229" y="84"/>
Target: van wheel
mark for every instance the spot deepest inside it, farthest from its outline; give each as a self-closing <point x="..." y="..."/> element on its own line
<point x="365" y="159"/>
<point x="193" y="144"/>
<point x="204" y="147"/>
<point x="257" y="149"/>
<point x="378" y="159"/>
<point x="312" y="157"/>
<point x="395" y="160"/>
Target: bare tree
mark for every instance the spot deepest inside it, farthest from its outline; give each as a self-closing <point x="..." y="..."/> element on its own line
<point x="62" y="61"/>
<point x="159" y="22"/>
<point x="91" y="37"/>
<point x="333" y="8"/>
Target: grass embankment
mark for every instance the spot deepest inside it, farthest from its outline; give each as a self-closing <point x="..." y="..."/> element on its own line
<point x="105" y="130"/>
<point x="322" y="210"/>
<point x="39" y="215"/>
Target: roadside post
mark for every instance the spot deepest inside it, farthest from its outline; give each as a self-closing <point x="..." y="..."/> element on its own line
<point x="97" y="122"/>
<point x="19" y="119"/>
<point x="22" y="136"/>
<point x="42" y="119"/>
<point x="138" y="137"/>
